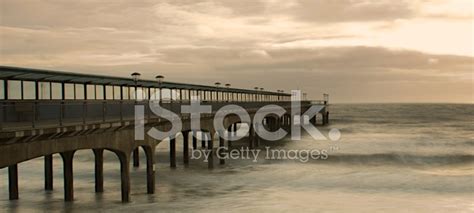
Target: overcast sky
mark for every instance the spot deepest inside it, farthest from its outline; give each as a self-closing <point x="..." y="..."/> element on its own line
<point x="355" y="50"/>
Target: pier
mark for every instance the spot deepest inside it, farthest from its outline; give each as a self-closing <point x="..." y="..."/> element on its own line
<point x="44" y="112"/>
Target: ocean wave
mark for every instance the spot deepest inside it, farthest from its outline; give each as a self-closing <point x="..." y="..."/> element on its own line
<point x="450" y="144"/>
<point x="400" y="159"/>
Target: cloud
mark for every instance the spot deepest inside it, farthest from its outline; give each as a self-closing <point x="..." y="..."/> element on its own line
<point x="352" y="48"/>
<point x="352" y="10"/>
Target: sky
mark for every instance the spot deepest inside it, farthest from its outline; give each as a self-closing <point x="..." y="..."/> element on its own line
<point x="355" y="50"/>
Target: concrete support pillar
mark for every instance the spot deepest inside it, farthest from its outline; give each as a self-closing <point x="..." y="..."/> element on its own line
<point x="203" y="140"/>
<point x="327" y="117"/>
<point x="136" y="157"/>
<point x="235" y="129"/>
<point x="256" y="138"/>
<point x="324" y="119"/>
<point x="150" y="169"/>
<point x="210" y="147"/>
<point x="251" y="136"/>
<point x="68" y="175"/>
<point x="194" y="140"/>
<point x="229" y="135"/>
<point x="173" y="152"/>
<point x="290" y="122"/>
<point x="125" y="175"/>
<point x="221" y="145"/>
<point x="48" y="172"/>
<point x="99" y="169"/>
<point x="274" y="124"/>
<point x="277" y="124"/>
<point x="13" y="182"/>
<point x="186" y="148"/>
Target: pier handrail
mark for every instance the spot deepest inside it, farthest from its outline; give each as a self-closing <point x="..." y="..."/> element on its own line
<point x="27" y="114"/>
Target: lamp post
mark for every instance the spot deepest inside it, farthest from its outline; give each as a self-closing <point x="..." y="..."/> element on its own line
<point x="228" y="95"/>
<point x="282" y="95"/>
<point x="326" y="98"/>
<point x="304" y="96"/>
<point x="136" y="77"/>
<point x="217" y="91"/>
<point x="159" y="79"/>
<point x="256" y="95"/>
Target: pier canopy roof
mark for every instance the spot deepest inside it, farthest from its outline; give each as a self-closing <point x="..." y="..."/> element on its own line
<point x="29" y="74"/>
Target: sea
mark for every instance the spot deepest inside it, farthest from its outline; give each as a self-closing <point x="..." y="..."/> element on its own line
<point x="385" y="158"/>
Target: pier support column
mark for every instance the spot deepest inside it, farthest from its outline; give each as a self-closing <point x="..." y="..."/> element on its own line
<point x="150" y="169"/>
<point x="48" y="172"/>
<point x="255" y="136"/>
<point x="291" y="122"/>
<point x="99" y="169"/>
<point x="203" y="140"/>
<point x="124" y="175"/>
<point x="13" y="182"/>
<point x="235" y="129"/>
<point x="257" y="141"/>
<point x="327" y="117"/>
<point x="173" y="152"/>
<point x="68" y="175"/>
<point x="186" y="148"/>
<point x="210" y="147"/>
<point x="194" y="140"/>
<point x="221" y="146"/>
<point x="251" y="136"/>
<point x="229" y="135"/>
<point x="136" y="157"/>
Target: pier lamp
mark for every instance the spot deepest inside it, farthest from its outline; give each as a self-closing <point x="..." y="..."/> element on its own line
<point x="136" y="77"/>
<point x="326" y="98"/>
<point x="256" y="89"/>
<point x="228" y="95"/>
<point x="217" y="91"/>
<point x="159" y="79"/>
<point x="304" y="96"/>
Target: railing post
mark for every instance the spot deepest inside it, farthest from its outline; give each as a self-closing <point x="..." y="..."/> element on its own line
<point x="84" y="112"/>
<point x="33" y="117"/>
<point x="61" y="113"/>
<point x="2" y="115"/>
<point x="148" y="109"/>
<point x="121" y="110"/>
<point x="104" y="111"/>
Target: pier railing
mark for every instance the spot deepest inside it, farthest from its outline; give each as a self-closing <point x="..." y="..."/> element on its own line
<point x="24" y="114"/>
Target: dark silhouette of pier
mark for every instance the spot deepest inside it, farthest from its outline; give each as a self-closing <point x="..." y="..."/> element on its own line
<point x="44" y="112"/>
